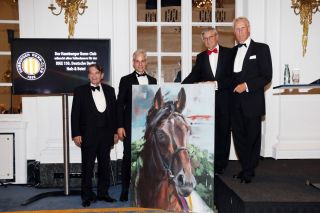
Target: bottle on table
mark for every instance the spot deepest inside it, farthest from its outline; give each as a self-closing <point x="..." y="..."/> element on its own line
<point x="286" y="76"/>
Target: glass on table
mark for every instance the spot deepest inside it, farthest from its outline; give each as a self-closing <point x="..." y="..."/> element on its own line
<point x="295" y="76"/>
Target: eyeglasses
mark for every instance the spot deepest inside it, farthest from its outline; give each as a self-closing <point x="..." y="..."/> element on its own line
<point x="208" y="38"/>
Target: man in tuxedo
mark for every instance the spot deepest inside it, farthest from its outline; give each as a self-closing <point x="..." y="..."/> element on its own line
<point x="93" y="128"/>
<point x="214" y="65"/>
<point x="251" y="73"/>
<point x="124" y="108"/>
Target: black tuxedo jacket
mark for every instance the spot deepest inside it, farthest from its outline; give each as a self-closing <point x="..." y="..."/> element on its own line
<point x="202" y="72"/>
<point x="257" y="73"/>
<point x="83" y="110"/>
<point x="124" y="100"/>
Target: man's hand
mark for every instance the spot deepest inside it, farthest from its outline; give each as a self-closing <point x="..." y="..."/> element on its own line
<point x="240" y="88"/>
<point x="77" y="141"/>
<point x="121" y="133"/>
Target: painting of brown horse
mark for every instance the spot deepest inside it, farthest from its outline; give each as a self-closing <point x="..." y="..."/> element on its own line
<point x="166" y="170"/>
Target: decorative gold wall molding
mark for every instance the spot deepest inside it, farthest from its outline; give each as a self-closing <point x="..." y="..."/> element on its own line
<point x="305" y="8"/>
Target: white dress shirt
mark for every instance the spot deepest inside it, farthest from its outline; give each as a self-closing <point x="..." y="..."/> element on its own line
<point x="241" y="53"/>
<point x="143" y="80"/>
<point x="213" y="59"/>
<point x="99" y="99"/>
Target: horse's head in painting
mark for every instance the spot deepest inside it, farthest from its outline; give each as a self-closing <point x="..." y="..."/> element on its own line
<point x="166" y="169"/>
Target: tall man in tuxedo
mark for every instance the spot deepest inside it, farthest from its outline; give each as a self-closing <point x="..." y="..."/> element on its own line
<point x="124" y="108"/>
<point x="93" y="128"/>
<point x="214" y="65"/>
<point x="251" y="73"/>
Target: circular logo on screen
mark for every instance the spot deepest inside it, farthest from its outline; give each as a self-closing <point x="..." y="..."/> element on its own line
<point x="31" y="66"/>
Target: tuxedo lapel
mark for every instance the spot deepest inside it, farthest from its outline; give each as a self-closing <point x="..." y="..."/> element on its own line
<point x="106" y="95"/>
<point x="219" y="64"/>
<point x="207" y="64"/>
<point x="149" y="79"/>
<point x="91" y="103"/>
<point x="248" y="54"/>
<point x="134" y="78"/>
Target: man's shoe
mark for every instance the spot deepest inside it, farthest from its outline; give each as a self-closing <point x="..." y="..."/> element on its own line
<point x="238" y="176"/>
<point x="245" y="180"/>
<point x="107" y="198"/>
<point x="93" y="198"/>
<point x="124" y="196"/>
<point x="86" y="203"/>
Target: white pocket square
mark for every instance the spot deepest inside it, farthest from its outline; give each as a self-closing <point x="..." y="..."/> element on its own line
<point x="253" y="57"/>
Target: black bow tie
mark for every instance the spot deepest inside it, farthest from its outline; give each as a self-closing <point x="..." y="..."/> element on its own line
<point x="139" y="75"/>
<point x="240" y="45"/>
<point x="95" y="88"/>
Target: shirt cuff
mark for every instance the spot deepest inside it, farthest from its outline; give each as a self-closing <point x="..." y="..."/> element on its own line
<point x="247" y="89"/>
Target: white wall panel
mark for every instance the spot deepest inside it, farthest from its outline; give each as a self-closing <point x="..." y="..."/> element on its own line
<point x="15" y="124"/>
<point x="299" y="129"/>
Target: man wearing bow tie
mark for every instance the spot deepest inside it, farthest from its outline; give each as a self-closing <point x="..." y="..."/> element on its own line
<point x="214" y="66"/>
<point x="93" y="129"/>
<point x="251" y="73"/>
<point x="124" y="108"/>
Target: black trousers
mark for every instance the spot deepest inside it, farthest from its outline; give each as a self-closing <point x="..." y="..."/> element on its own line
<point x="247" y="139"/>
<point x="126" y="161"/>
<point x="95" y="144"/>
<point x="222" y="140"/>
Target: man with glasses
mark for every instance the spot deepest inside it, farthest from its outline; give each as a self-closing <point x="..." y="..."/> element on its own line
<point x="251" y="73"/>
<point x="214" y="65"/>
<point x="124" y="108"/>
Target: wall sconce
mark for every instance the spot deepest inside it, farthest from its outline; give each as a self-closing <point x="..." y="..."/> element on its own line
<point x="305" y="8"/>
<point x="71" y="10"/>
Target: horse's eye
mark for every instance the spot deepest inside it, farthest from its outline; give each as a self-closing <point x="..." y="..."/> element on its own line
<point x="162" y="137"/>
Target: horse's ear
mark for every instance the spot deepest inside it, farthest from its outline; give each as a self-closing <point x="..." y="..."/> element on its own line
<point x="180" y="103"/>
<point x="158" y="100"/>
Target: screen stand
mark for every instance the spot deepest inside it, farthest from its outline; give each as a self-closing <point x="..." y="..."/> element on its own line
<point x="66" y="158"/>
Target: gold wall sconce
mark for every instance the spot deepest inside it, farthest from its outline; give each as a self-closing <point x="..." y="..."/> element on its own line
<point x="71" y="10"/>
<point x="305" y="8"/>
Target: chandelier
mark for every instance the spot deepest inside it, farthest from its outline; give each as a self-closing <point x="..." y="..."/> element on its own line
<point x="305" y="8"/>
<point x="207" y="4"/>
<point x="71" y="10"/>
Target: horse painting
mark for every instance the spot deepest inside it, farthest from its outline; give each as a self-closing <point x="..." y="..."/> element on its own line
<point x="165" y="178"/>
